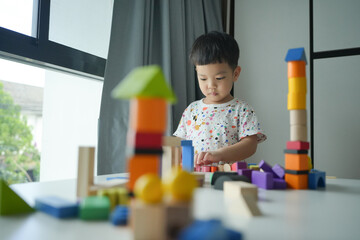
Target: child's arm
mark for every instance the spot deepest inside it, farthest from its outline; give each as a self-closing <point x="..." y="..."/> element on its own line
<point x="237" y="152"/>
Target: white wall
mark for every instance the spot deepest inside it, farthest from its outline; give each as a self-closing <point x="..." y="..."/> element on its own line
<point x="265" y="30"/>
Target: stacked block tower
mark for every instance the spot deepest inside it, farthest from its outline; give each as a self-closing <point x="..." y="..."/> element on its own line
<point x="148" y="92"/>
<point x="296" y="153"/>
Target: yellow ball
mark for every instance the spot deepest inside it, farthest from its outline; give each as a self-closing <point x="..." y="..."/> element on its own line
<point x="180" y="184"/>
<point x="148" y="188"/>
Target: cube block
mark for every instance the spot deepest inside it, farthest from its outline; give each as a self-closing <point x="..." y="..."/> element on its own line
<point x="94" y="208"/>
<point x="296" y="181"/>
<point x="266" y="167"/>
<point x="296" y="100"/>
<point x="297" y="85"/>
<point x="238" y="165"/>
<point x="245" y="172"/>
<point x="296" y="69"/>
<point x="298" y="117"/>
<point x="317" y="179"/>
<point x="279" y="171"/>
<point x="296" y="162"/>
<point x="298" y="133"/>
<point x="144" y="140"/>
<point x="263" y="180"/>
<point x="297" y="145"/>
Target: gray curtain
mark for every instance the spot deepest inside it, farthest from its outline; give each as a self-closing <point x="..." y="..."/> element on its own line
<point x="148" y="32"/>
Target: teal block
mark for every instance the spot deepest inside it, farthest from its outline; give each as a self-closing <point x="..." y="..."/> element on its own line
<point x="95" y="208"/>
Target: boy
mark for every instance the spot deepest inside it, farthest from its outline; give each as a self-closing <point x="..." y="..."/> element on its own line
<point x="222" y="128"/>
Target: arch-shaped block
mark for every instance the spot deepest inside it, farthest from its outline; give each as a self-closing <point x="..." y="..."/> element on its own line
<point x="317" y="179"/>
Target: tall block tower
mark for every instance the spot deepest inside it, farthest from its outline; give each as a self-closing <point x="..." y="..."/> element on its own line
<point x="149" y="93"/>
<point x="296" y="152"/>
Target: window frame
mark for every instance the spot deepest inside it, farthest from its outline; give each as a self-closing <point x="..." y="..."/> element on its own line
<point x="40" y="51"/>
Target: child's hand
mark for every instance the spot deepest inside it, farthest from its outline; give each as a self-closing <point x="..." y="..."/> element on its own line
<point x="205" y="158"/>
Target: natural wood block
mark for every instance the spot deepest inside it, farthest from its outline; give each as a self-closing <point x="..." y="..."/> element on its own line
<point x="171" y="141"/>
<point x="298" y="117"/>
<point x="85" y="177"/>
<point x="298" y="133"/>
<point x="148" y="115"/>
<point x="227" y="167"/>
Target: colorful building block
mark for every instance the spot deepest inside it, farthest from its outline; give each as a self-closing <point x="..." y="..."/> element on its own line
<point x="57" y="207"/>
<point x="85" y="177"/>
<point x="144" y="140"/>
<point x="148" y="188"/>
<point x="296" y="100"/>
<point x="171" y="154"/>
<point x="219" y="183"/>
<point x="254" y="167"/>
<point x="94" y="208"/>
<point x="263" y="180"/>
<point x="141" y="164"/>
<point x="11" y="203"/>
<point x="238" y="165"/>
<point x="177" y="217"/>
<point x="279" y="183"/>
<point x="145" y="82"/>
<point x="295" y="181"/>
<point x="279" y="171"/>
<point x="317" y="179"/>
<point x="296" y="162"/>
<point x="266" y="167"/>
<point x="148" y="115"/>
<point x="296" y="69"/>
<point x="296" y="54"/>
<point x="187" y="155"/>
<point x="227" y="167"/>
<point x="120" y="215"/>
<point x="297" y="85"/>
<point x="213" y="169"/>
<point x="180" y="185"/>
<point x="245" y="172"/>
<point x="216" y="175"/>
<point x="117" y="196"/>
<point x="206" y="169"/>
<point x="297" y="145"/>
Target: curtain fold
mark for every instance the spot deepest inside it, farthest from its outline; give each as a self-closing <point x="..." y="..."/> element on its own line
<point x="148" y="32"/>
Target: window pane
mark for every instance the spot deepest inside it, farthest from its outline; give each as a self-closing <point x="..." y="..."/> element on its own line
<point x="21" y="101"/>
<point x="82" y="24"/>
<point x="19" y="16"/>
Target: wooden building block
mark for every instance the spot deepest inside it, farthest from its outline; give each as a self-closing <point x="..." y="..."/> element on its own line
<point x="220" y="167"/>
<point x="279" y="171"/>
<point x="187" y="155"/>
<point x="297" y="85"/>
<point x="144" y="140"/>
<point x="171" y="141"/>
<point x="317" y="179"/>
<point x="141" y="164"/>
<point x="297" y="145"/>
<point x="245" y="172"/>
<point x="254" y="167"/>
<point x="85" y="177"/>
<point x="227" y="167"/>
<point x="266" y="167"/>
<point x="180" y="185"/>
<point x="295" y="181"/>
<point x="147" y="220"/>
<point x="149" y="188"/>
<point x="241" y="199"/>
<point x="214" y="169"/>
<point x="57" y="207"/>
<point x="206" y="169"/>
<point x="117" y="196"/>
<point x="120" y="215"/>
<point x="296" y="100"/>
<point x="297" y="162"/>
<point x="263" y="180"/>
<point x="298" y="133"/>
<point x="298" y="117"/>
<point x="177" y="217"/>
<point x="296" y="69"/>
<point x="238" y="165"/>
<point x="10" y="202"/>
<point x="200" y="178"/>
<point x="279" y="183"/>
<point x="148" y="115"/>
<point x="95" y="208"/>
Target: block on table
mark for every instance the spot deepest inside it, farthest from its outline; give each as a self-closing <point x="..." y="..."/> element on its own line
<point x="57" y="207"/>
<point x="263" y="180"/>
<point x="94" y="208"/>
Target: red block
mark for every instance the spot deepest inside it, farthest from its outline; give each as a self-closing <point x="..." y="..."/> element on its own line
<point x="297" y="145"/>
<point x="141" y="140"/>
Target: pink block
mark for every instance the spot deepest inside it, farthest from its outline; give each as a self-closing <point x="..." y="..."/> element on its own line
<point x="206" y="169"/>
<point x="198" y="169"/>
<point x="238" y="165"/>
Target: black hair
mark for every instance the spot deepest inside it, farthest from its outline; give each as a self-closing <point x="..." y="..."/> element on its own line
<point x="215" y="47"/>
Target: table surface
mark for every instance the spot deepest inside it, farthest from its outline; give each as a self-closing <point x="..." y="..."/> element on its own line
<point x="332" y="213"/>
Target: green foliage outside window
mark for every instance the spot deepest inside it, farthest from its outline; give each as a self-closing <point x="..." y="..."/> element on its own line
<point x="19" y="158"/>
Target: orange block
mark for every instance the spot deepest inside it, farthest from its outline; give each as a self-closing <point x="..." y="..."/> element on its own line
<point x="140" y="164"/>
<point x="297" y="181"/>
<point x="296" y="69"/>
<point x="148" y="115"/>
<point x="297" y="162"/>
<point x="296" y="100"/>
<point x="214" y="169"/>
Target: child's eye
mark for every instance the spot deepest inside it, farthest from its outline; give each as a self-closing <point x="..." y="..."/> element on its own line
<point x="203" y="79"/>
<point x="220" y="78"/>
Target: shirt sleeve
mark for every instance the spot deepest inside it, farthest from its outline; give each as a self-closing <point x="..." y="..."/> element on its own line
<point x="249" y="124"/>
<point x="181" y="129"/>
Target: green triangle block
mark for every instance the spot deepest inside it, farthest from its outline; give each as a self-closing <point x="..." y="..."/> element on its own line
<point x="146" y="81"/>
<point x="10" y="202"/>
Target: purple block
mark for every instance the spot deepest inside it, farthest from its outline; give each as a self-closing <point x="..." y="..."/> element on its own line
<point x="266" y="167"/>
<point x="238" y="165"/>
<point x="262" y="179"/>
<point x="279" y="171"/>
<point x="245" y="172"/>
<point x="279" y="183"/>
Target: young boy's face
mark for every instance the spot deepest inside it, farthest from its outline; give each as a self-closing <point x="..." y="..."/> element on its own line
<point x="216" y="80"/>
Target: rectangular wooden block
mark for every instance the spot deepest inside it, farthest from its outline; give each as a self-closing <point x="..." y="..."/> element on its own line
<point x="297" y="85"/>
<point x="144" y="140"/>
<point x="296" y="100"/>
<point x="140" y="164"/>
<point x="298" y="117"/>
<point x="297" y="162"/>
<point x="85" y="177"/>
<point x="171" y="141"/>
<point x="296" y="69"/>
<point x="148" y="115"/>
<point x="296" y="181"/>
<point x="57" y="207"/>
<point x="298" y="133"/>
<point x="297" y="145"/>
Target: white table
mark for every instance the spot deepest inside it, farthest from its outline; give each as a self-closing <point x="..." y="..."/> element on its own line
<point x="333" y="213"/>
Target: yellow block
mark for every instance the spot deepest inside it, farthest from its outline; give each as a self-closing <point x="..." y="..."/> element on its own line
<point x="149" y="188"/>
<point x="296" y="101"/>
<point x="297" y="85"/>
<point x="180" y="184"/>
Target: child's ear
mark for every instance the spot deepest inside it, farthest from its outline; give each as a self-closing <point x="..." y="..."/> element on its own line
<point x="237" y="73"/>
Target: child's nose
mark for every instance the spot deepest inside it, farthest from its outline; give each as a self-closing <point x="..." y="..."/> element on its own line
<point x="212" y="84"/>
